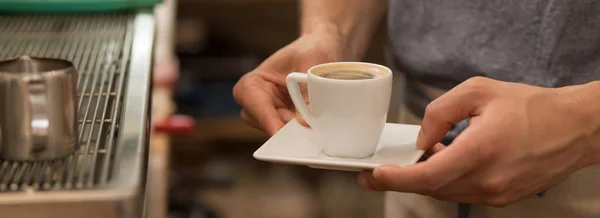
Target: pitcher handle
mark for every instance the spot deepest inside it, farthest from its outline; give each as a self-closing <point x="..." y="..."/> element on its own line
<point x="40" y="121"/>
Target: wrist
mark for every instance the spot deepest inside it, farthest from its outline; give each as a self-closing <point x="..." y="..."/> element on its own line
<point x="352" y="22"/>
<point x="579" y="103"/>
<point x="330" y="36"/>
<point x="351" y="37"/>
<point x="315" y="26"/>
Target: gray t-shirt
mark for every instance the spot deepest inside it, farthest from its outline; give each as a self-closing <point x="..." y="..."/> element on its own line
<point x="549" y="43"/>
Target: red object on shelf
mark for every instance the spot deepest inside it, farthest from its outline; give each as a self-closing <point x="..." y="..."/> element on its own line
<point x="176" y="124"/>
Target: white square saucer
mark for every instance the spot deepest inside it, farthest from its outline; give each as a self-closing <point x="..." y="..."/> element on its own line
<point x="293" y="144"/>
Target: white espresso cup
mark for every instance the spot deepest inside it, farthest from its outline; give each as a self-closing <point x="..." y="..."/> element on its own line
<point x="348" y="105"/>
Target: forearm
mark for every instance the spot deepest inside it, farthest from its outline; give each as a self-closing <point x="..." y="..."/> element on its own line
<point x="352" y="21"/>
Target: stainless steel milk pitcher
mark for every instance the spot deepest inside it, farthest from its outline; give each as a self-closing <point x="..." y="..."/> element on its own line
<point x="38" y="109"/>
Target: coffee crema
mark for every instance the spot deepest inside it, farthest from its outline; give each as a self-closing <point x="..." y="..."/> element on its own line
<point x="347" y="75"/>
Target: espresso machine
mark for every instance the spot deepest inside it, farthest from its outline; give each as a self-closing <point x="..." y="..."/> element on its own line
<point x="110" y="44"/>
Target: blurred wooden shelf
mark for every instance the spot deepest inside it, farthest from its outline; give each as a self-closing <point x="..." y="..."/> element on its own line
<point x="225" y="129"/>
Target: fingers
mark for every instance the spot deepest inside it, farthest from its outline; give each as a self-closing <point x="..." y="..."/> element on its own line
<point x="249" y="120"/>
<point x="395" y="178"/>
<point x="366" y="181"/>
<point x="435" y="149"/>
<point x="462" y="186"/>
<point x="459" y="103"/>
<point x="443" y="173"/>
<point x="301" y="120"/>
<point x="463" y="198"/>
<point x="495" y="200"/>
<point x="266" y="116"/>
<point x="430" y="176"/>
<point x="286" y="114"/>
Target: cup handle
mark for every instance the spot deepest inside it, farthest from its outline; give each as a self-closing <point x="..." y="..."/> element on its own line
<point x="292" y="81"/>
<point x="39" y="116"/>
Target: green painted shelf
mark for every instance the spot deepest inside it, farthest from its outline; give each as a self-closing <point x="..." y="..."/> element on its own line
<point x="73" y="6"/>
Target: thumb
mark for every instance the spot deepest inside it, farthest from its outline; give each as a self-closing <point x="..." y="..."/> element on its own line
<point x="454" y="106"/>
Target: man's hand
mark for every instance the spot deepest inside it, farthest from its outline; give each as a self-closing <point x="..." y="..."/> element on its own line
<point x="333" y="30"/>
<point x="521" y="140"/>
<point x="262" y="93"/>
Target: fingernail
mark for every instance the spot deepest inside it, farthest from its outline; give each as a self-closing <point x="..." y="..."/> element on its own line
<point x="379" y="171"/>
<point x="363" y="182"/>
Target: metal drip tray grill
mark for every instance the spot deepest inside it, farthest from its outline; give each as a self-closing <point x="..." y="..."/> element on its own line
<point x="99" y="46"/>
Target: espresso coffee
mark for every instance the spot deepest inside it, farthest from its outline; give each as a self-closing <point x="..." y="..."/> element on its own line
<point x="347" y="75"/>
